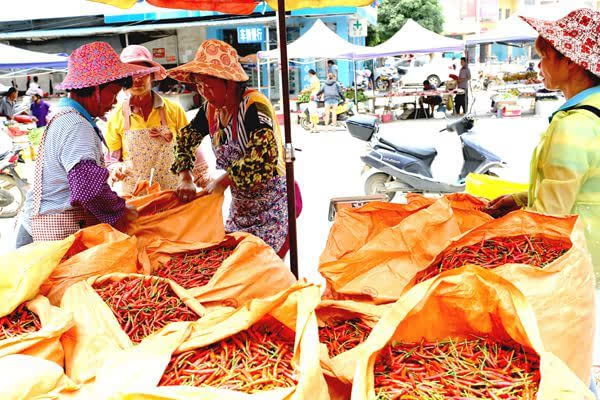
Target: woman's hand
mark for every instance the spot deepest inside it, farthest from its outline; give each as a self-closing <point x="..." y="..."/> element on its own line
<point x="119" y="171"/>
<point x="501" y="206"/>
<point x="186" y="191"/>
<point x="216" y="185"/>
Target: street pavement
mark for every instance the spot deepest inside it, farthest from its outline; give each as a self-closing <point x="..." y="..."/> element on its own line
<point x="329" y="166"/>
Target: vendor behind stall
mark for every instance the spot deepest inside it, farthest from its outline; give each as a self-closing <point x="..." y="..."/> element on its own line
<point x="246" y="141"/>
<point x="7" y="105"/>
<point x="431" y="101"/>
<point x="70" y="189"/>
<point x="39" y="109"/>
<point x="141" y="131"/>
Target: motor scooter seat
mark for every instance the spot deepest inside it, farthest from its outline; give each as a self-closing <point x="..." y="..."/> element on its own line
<point x="420" y="151"/>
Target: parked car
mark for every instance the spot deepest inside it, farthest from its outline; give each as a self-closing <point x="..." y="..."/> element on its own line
<point x="417" y="69"/>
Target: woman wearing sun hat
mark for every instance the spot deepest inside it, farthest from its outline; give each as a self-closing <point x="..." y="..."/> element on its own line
<point x="246" y="141"/>
<point x="141" y="131"/>
<point x="70" y="189"/>
<point x="565" y="168"/>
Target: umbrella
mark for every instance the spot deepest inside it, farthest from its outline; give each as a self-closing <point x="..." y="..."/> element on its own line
<point x="243" y="7"/>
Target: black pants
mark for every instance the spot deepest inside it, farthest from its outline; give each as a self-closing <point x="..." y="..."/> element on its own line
<point x="461" y="101"/>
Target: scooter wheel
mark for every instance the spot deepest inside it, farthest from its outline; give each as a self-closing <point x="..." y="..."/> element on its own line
<point x="304" y="123"/>
<point x="375" y="184"/>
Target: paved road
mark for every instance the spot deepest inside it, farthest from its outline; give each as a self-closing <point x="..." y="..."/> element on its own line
<point x="329" y="166"/>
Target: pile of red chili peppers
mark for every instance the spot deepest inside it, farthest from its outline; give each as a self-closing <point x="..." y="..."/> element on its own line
<point x="195" y="269"/>
<point x="253" y="360"/>
<point x="19" y="322"/>
<point x="537" y="251"/>
<point x="143" y="305"/>
<point x="474" y="368"/>
<point x="344" y="335"/>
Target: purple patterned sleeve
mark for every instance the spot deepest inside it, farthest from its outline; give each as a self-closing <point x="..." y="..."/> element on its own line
<point x="90" y="190"/>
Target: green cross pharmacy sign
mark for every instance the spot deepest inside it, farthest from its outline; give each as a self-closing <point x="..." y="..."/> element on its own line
<point x="357" y="28"/>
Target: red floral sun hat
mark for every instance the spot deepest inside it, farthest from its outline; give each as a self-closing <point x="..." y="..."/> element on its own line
<point x="96" y="63"/>
<point x="576" y="36"/>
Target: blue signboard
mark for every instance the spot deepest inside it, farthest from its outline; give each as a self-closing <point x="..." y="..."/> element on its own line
<point x="250" y="34"/>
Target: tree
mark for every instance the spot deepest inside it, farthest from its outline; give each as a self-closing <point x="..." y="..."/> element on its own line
<point x="392" y="14"/>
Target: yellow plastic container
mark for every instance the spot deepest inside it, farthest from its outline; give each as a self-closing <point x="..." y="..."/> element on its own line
<point x="490" y="187"/>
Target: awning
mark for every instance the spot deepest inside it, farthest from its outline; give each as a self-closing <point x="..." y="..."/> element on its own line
<point x="116" y="30"/>
<point x="16" y="58"/>
<point x="411" y="38"/>
<point x="318" y="42"/>
<point x="510" y="30"/>
<point x="239" y="7"/>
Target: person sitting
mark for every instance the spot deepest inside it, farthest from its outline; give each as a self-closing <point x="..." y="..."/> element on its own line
<point x="7" y="105"/>
<point x="431" y="101"/>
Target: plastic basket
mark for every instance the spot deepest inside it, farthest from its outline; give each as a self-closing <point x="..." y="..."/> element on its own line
<point x="490" y="187"/>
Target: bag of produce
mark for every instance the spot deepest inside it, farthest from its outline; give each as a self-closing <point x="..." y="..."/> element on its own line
<point x="378" y="270"/>
<point x="231" y="272"/>
<point x="116" y="311"/>
<point x="467" y="334"/>
<point x="546" y="258"/>
<point x="34" y="328"/>
<point x="32" y="378"/>
<point x="96" y="250"/>
<point x="343" y="326"/>
<point x="24" y="270"/>
<point x="267" y="349"/>
<point x="163" y="216"/>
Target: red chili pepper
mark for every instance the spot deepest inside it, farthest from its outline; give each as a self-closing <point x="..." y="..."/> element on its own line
<point x="194" y="269"/>
<point x="474" y="368"/>
<point x="19" y="322"/>
<point x="143" y="305"/>
<point x="257" y="359"/>
<point x="343" y="335"/>
<point x="537" y="251"/>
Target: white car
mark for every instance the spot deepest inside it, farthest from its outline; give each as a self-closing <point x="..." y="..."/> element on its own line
<point x="420" y="68"/>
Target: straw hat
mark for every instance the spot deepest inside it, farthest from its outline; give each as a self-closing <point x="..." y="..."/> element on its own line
<point x="138" y="54"/>
<point x="96" y="63"/>
<point x="576" y="36"/>
<point x="214" y="58"/>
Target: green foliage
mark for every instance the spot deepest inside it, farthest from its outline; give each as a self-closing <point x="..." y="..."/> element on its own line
<point x="392" y="15"/>
<point x="350" y="95"/>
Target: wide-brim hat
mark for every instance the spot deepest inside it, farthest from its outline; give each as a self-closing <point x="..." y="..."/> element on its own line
<point x="214" y="58"/>
<point x="139" y="54"/>
<point x="96" y="63"/>
<point x="576" y="36"/>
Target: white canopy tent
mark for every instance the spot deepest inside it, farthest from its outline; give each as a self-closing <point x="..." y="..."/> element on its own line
<point x="412" y="38"/>
<point x="318" y="42"/>
<point x="16" y="58"/>
<point x="510" y="30"/>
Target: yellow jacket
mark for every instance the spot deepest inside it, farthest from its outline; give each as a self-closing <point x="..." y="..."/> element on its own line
<point x="565" y="169"/>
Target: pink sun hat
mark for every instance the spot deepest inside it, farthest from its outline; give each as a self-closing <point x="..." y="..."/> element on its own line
<point x="576" y="36"/>
<point x="139" y="54"/>
<point x="96" y="63"/>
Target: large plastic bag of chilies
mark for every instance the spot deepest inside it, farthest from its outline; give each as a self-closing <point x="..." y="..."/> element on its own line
<point x="343" y="326"/>
<point x="547" y="259"/>
<point x="231" y="272"/>
<point x="31" y="378"/>
<point x="264" y="350"/>
<point x="34" y="328"/>
<point x="388" y="260"/>
<point x="96" y="250"/>
<point x="467" y="334"/>
<point x="117" y="311"/>
<point x="23" y="271"/>
<point x="353" y="228"/>
<point x="163" y="216"/>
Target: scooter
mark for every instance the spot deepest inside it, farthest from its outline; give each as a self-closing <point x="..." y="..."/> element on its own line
<point x="404" y="167"/>
<point x="344" y="111"/>
<point x="12" y="186"/>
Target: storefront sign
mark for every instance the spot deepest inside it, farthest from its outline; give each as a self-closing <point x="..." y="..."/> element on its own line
<point x="357" y="27"/>
<point x="250" y="34"/>
<point x="158" y="52"/>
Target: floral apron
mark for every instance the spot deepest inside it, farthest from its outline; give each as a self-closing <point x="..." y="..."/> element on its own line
<point x="261" y="211"/>
<point x="45" y="227"/>
<point x="148" y="148"/>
